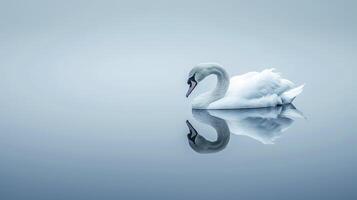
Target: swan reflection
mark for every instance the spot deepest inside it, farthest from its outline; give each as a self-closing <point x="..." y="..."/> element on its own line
<point x="262" y="124"/>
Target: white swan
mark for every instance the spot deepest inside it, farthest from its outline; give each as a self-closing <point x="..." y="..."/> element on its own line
<point x="250" y="90"/>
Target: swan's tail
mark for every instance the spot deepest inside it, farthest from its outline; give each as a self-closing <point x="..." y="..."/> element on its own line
<point x="290" y="95"/>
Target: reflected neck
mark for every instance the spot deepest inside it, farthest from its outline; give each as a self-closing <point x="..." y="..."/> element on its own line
<point x="201" y="144"/>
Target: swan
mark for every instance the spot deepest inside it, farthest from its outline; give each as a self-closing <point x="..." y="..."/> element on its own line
<point x="250" y="90"/>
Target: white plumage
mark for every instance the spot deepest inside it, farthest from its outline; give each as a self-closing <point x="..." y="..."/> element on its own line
<point x="251" y="90"/>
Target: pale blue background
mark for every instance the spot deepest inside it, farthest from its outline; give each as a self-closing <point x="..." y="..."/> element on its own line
<point x="92" y="99"/>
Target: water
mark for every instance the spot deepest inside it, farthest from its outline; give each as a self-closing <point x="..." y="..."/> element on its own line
<point x="93" y="101"/>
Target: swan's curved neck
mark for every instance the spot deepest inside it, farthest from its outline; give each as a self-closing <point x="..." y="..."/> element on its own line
<point x="222" y="81"/>
<point x="205" y="99"/>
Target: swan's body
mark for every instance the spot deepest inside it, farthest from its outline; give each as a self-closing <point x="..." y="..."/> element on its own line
<point x="250" y="90"/>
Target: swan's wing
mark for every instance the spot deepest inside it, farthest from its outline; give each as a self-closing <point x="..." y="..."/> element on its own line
<point x="253" y="90"/>
<point x="255" y="85"/>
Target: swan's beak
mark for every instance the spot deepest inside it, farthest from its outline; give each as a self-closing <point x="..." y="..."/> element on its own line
<point x="193" y="83"/>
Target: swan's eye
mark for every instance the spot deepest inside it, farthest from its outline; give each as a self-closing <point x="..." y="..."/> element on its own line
<point x="191" y="79"/>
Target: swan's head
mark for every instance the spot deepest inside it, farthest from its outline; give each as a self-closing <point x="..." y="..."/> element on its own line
<point x="197" y="74"/>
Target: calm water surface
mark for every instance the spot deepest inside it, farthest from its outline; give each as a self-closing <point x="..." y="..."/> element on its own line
<point x="93" y="100"/>
<point x="105" y="152"/>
